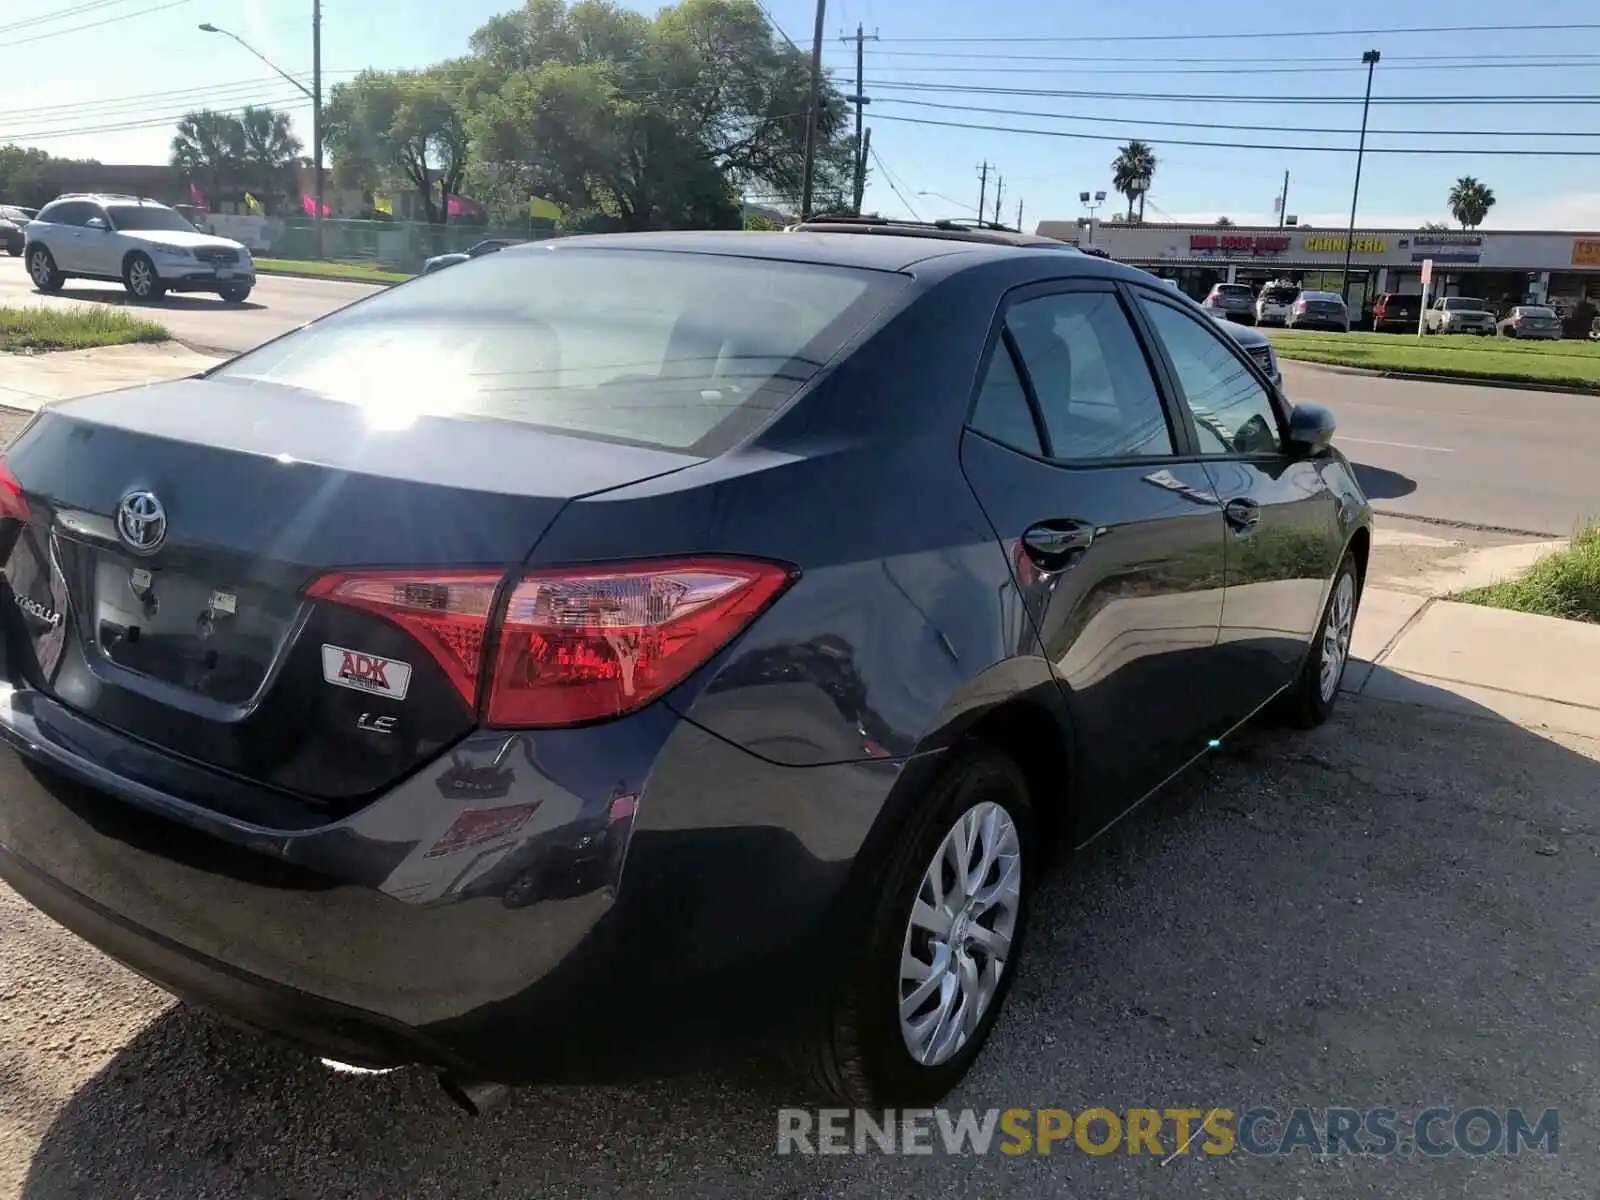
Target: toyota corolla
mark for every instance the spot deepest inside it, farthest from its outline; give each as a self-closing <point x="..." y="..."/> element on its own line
<point x="617" y="653"/>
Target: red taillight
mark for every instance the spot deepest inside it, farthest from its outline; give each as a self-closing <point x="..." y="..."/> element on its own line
<point x="12" y="505"/>
<point x="577" y="644"/>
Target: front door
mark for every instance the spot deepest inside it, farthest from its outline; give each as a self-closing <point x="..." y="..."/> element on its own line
<point x="1116" y="543"/>
<point x="1281" y="518"/>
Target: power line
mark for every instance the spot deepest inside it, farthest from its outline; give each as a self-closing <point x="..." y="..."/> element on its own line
<point x="1107" y="137"/>
<point x="1253" y="35"/>
<point x="1236" y="98"/>
<point x="893" y="187"/>
<point x="58" y="14"/>
<point x="39" y="37"/>
<point x="1014" y="70"/>
<point x="1126" y="121"/>
<point x="1476" y="60"/>
<point x="165" y="121"/>
<point x="142" y="100"/>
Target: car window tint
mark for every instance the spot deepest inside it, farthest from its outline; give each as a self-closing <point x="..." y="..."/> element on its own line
<point x="1002" y="411"/>
<point x="70" y="213"/>
<point x="1095" y="391"/>
<point x="1233" y="413"/>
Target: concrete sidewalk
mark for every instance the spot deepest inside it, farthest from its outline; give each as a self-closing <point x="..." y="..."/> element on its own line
<point x="1535" y="671"/>
<point x="28" y="381"/>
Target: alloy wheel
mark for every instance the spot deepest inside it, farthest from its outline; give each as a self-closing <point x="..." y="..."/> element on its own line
<point x="957" y="943"/>
<point x="39" y="268"/>
<point x="140" y="277"/>
<point x="1336" y="635"/>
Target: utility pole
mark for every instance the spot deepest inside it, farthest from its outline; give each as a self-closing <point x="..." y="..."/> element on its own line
<point x="316" y="112"/>
<point x="1283" y="201"/>
<point x="1019" y="215"/>
<point x="860" y="100"/>
<point x="983" y="187"/>
<point x="808" y="177"/>
<point x="999" y="190"/>
<point x="1370" y="58"/>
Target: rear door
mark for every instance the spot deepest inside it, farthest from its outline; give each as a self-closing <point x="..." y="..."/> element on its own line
<point x="1116" y="540"/>
<point x="65" y="238"/>
<point x="1281" y="518"/>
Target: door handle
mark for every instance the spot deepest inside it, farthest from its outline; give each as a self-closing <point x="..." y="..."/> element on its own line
<point x="1242" y="513"/>
<point x="1048" y="543"/>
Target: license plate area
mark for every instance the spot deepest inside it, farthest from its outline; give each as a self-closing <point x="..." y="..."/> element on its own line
<point x="191" y="628"/>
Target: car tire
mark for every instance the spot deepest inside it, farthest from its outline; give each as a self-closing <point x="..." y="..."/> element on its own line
<point x="140" y="278"/>
<point x="862" y="1056"/>
<point x="235" y="295"/>
<point x="41" y="265"/>
<point x="1310" y="700"/>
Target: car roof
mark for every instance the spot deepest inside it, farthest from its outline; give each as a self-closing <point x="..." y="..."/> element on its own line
<point x="880" y="253"/>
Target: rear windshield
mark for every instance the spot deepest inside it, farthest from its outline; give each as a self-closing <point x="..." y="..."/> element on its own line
<point x="1279" y="295"/>
<point x="1547" y="314"/>
<point x="688" y="352"/>
<point x="147" y="217"/>
<point x="1232" y="289"/>
<point x="1463" y="304"/>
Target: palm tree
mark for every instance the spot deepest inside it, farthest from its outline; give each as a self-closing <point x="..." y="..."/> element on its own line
<point x="1131" y="173"/>
<point x="1470" y="201"/>
<point x="209" y="145"/>
<point x="270" y="150"/>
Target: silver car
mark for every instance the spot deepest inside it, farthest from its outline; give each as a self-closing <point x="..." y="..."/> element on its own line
<point x="1233" y="300"/>
<point x="1532" y="321"/>
<point x="1459" y="314"/>
<point x="1319" y="310"/>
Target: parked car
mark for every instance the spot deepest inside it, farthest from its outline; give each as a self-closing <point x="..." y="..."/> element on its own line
<point x="488" y="246"/>
<point x="141" y="243"/>
<point x="1459" y="314"/>
<point x="13" y="221"/>
<point x="1276" y="301"/>
<point x="750" y="612"/>
<point x="1531" y="321"/>
<point x="1396" y="311"/>
<point x="1320" y="310"/>
<point x="1234" y="300"/>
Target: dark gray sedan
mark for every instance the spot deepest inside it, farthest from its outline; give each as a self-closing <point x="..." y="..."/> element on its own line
<point x="619" y="653"/>
<point x="1531" y="321"/>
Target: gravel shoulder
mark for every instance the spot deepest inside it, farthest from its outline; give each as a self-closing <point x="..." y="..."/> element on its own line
<point x="1394" y="910"/>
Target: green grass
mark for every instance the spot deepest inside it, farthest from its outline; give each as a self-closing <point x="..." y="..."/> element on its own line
<point x="1564" y="584"/>
<point x="1571" y="363"/>
<point x="354" y="272"/>
<point x="37" y="330"/>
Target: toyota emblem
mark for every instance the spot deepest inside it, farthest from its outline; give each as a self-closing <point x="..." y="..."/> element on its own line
<point x="141" y="522"/>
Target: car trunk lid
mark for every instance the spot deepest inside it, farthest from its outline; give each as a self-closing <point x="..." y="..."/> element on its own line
<point x="160" y="579"/>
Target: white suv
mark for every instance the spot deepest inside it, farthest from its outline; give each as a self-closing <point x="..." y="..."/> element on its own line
<point x="142" y="244"/>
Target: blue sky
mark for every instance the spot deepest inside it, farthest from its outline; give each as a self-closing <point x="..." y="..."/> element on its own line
<point x="111" y="90"/>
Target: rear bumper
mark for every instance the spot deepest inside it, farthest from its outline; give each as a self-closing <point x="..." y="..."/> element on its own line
<point x="665" y="899"/>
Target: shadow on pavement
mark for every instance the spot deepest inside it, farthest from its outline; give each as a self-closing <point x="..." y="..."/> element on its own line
<point x="1380" y="484"/>
<point x="1397" y="910"/>
<point x="186" y="301"/>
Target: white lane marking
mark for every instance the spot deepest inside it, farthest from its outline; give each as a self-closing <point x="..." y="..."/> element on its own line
<point x="1399" y="445"/>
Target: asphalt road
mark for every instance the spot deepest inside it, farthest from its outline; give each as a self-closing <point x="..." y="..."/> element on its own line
<point x="278" y="304"/>
<point x="1396" y="911"/>
<point x="1483" y="456"/>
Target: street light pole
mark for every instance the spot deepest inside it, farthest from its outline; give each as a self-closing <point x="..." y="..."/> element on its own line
<point x="1370" y="58"/>
<point x="313" y="94"/>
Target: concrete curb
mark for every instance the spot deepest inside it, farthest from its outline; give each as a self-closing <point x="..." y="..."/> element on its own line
<point x="1448" y="523"/>
<point x="1423" y="377"/>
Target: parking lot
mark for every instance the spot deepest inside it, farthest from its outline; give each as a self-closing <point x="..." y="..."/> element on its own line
<point x="1395" y="911"/>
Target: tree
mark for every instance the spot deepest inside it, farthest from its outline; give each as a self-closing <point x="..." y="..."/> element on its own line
<point x="1131" y="173"/>
<point x="401" y="128"/>
<point x="28" y="176"/>
<point x="209" y="148"/>
<point x="645" y="123"/>
<point x="270" y="151"/>
<point x="1435" y="226"/>
<point x="1224" y="221"/>
<point x="1470" y="202"/>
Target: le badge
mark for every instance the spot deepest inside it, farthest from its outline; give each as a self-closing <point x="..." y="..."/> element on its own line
<point x="368" y="673"/>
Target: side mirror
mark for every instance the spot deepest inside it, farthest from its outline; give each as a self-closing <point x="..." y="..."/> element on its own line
<point x="97" y="223"/>
<point x="1311" y="428"/>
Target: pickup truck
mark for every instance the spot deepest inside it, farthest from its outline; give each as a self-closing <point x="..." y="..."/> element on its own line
<point x="1459" y="314"/>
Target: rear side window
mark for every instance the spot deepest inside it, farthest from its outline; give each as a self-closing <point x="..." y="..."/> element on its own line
<point x="1002" y="411"/>
<point x="1089" y="374"/>
<point x="68" y="212"/>
<point x="687" y="352"/>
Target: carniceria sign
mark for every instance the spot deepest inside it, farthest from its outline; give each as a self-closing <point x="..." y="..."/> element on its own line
<point x="1324" y="243"/>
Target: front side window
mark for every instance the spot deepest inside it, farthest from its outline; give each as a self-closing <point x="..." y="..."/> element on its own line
<point x="1095" y="391"/>
<point x="1233" y="413"/>
<point x="677" y="351"/>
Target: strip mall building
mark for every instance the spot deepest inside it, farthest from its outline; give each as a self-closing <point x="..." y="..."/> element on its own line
<point x="1503" y="267"/>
